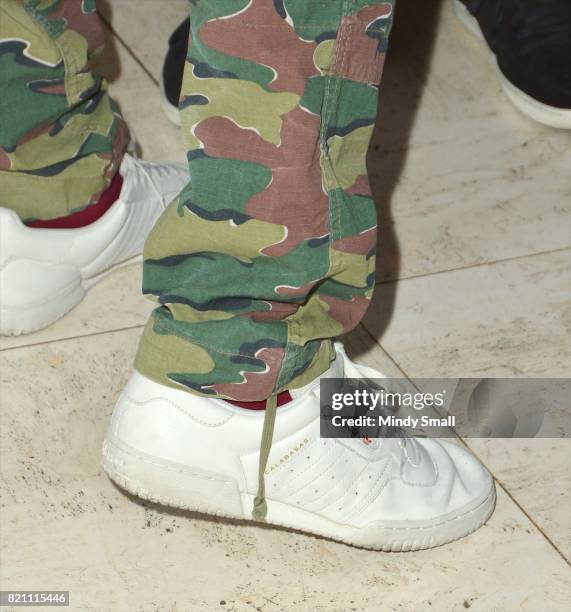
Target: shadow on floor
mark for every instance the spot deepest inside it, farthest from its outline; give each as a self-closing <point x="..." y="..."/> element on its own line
<point x="404" y="79"/>
<point x="107" y="62"/>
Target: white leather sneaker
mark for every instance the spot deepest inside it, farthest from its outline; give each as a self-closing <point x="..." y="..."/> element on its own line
<point x="201" y="454"/>
<point x="44" y="273"/>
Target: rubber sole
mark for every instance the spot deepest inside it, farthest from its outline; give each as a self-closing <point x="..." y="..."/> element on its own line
<point x="29" y="318"/>
<point x="538" y="111"/>
<point x="178" y="486"/>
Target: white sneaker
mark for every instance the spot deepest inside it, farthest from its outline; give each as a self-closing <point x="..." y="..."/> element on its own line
<point x="44" y="273"/>
<point x="203" y="454"/>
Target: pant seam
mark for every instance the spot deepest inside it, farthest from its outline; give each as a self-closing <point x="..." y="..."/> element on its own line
<point x="330" y="99"/>
<point x="332" y="183"/>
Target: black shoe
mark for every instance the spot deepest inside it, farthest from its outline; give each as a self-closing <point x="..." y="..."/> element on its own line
<point x="171" y="77"/>
<point x="531" y="40"/>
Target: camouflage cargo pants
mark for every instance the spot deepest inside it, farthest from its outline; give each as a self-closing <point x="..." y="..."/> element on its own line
<point x="269" y="252"/>
<point x="61" y="136"/>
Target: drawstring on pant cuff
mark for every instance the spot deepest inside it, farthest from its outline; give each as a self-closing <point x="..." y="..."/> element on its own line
<point x="260" y="508"/>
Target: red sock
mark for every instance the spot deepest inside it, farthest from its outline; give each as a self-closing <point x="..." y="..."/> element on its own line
<point x="87" y="215"/>
<point x="283" y="398"/>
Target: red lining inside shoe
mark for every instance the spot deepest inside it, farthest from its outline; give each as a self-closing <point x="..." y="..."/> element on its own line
<point x="283" y="398"/>
<point x="87" y="215"/>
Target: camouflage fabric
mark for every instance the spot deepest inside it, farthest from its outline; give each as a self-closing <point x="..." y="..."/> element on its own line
<point x="269" y="252"/>
<point x="61" y="136"/>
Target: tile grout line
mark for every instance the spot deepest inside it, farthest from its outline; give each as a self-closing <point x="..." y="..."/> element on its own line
<point x="78" y="337"/>
<point x="562" y="249"/>
<point x="499" y="482"/>
<point x="468" y="267"/>
<point x="361" y="324"/>
<point x="531" y="520"/>
<point x="128" y="49"/>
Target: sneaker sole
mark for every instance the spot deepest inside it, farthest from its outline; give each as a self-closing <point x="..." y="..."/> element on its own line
<point x="538" y="111"/>
<point x="179" y="486"/>
<point x="28" y="318"/>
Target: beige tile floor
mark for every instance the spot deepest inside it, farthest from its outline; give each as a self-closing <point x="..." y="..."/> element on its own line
<point x="473" y="281"/>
